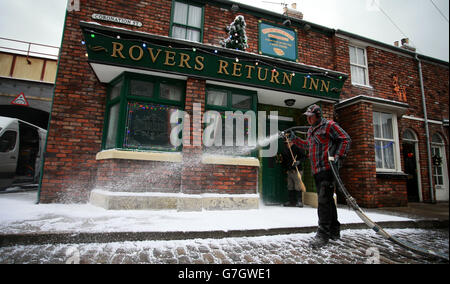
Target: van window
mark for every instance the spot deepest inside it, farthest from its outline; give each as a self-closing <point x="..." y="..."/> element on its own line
<point x="8" y="141"/>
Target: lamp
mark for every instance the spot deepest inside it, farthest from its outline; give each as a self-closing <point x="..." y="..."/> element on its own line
<point x="287" y="23"/>
<point x="289" y="102"/>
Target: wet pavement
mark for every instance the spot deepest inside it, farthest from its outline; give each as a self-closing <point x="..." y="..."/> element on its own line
<point x="355" y="247"/>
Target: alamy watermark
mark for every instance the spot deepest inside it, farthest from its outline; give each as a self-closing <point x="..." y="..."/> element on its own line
<point x="247" y="130"/>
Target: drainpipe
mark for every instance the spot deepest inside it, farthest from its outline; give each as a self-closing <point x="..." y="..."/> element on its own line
<point x="427" y="131"/>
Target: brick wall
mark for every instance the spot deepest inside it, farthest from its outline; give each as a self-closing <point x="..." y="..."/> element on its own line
<point x="359" y="172"/>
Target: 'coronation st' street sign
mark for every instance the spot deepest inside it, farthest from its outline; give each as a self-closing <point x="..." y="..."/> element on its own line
<point x="141" y="54"/>
<point x="116" y="20"/>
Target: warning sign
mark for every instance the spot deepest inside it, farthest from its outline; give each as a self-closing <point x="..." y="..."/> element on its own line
<point x="20" y="100"/>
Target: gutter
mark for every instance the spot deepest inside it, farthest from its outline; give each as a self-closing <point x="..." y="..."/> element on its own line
<point x="427" y="130"/>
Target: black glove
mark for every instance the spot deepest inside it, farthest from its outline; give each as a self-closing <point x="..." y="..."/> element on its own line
<point x="291" y="135"/>
<point x="338" y="163"/>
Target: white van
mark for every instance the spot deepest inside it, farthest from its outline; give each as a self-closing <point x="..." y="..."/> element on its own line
<point x="21" y="150"/>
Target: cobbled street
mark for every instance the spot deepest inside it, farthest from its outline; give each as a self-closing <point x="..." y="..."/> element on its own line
<point x="355" y="247"/>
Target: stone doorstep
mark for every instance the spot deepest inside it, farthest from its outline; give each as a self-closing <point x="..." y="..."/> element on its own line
<point x="180" y="202"/>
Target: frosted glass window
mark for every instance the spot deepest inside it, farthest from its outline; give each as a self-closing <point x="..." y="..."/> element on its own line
<point x="112" y="126"/>
<point x="358" y="65"/>
<point x="170" y="92"/>
<point x="385" y="143"/>
<point x="180" y="13"/>
<point x="178" y="32"/>
<point x="217" y="98"/>
<point x="193" y="35"/>
<point x="187" y="21"/>
<point x="241" y="102"/>
<point x="195" y="16"/>
<point x="115" y="92"/>
<point x="141" y="88"/>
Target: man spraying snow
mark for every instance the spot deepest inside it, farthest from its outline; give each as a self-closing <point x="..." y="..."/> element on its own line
<point x="324" y="136"/>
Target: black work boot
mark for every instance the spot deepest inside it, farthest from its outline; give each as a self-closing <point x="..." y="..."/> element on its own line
<point x="335" y="236"/>
<point x="291" y="201"/>
<point x="319" y="241"/>
<point x="298" y="203"/>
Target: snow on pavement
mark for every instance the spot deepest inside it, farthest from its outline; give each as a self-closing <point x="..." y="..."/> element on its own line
<point x="20" y="214"/>
<point x="356" y="246"/>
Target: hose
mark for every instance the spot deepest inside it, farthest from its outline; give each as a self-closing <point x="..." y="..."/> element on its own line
<point x="352" y="203"/>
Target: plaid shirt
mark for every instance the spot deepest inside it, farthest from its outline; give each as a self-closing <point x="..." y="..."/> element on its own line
<point x="327" y="135"/>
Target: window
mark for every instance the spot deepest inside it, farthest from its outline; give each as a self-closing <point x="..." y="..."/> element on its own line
<point x="8" y="141"/>
<point x="187" y="21"/>
<point x="139" y="111"/>
<point x="409" y="136"/>
<point x="221" y="100"/>
<point x="358" y="66"/>
<point x="386" y="141"/>
<point x="438" y="152"/>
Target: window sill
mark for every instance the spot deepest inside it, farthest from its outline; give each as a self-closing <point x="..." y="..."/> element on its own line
<point x="392" y="175"/>
<point x="140" y="156"/>
<point x="362" y="86"/>
<point x="229" y="160"/>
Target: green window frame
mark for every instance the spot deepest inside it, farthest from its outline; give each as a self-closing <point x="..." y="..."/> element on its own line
<point x="229" y="105"/>
<point x="126" y="111"/>
<point x="187" y="25"/>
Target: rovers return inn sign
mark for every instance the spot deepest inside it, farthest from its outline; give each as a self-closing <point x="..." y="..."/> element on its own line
<point x="140" y="54"/>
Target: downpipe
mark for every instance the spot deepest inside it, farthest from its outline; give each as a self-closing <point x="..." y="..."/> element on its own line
<point x="427" y="131"/>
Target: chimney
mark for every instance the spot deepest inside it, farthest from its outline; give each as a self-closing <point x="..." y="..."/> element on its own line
<point x="293" y="12"/>
<point x="406" y="45"/>
<point x="396" y="43"/>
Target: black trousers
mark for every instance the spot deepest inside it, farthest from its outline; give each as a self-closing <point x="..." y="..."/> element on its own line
<point x="328" y="219"/>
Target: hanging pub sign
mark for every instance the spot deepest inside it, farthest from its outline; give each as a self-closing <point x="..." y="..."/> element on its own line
<point x="277" y="41"/>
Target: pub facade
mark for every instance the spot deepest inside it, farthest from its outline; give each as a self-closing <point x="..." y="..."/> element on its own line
<point x="126" y="66"/>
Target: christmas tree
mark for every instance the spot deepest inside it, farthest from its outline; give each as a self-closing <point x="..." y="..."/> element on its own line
<point x="237" y="38"/>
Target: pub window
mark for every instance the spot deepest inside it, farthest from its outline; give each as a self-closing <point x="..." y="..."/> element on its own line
<point x="358" y="66"/>
<point x="139" y="117"/>
<point x="386" y="141"/>
<point x="187" y="21"/>
<point x="221" y="100"/>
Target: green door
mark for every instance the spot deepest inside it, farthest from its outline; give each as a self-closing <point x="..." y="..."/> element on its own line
<point x="274" y="187"/>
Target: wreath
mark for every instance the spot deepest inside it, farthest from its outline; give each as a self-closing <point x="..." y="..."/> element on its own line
<point x="437" y="160"/>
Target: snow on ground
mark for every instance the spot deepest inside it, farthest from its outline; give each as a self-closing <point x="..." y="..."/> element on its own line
<point x="355" y="246"/>
<point x="20" y="214"/>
